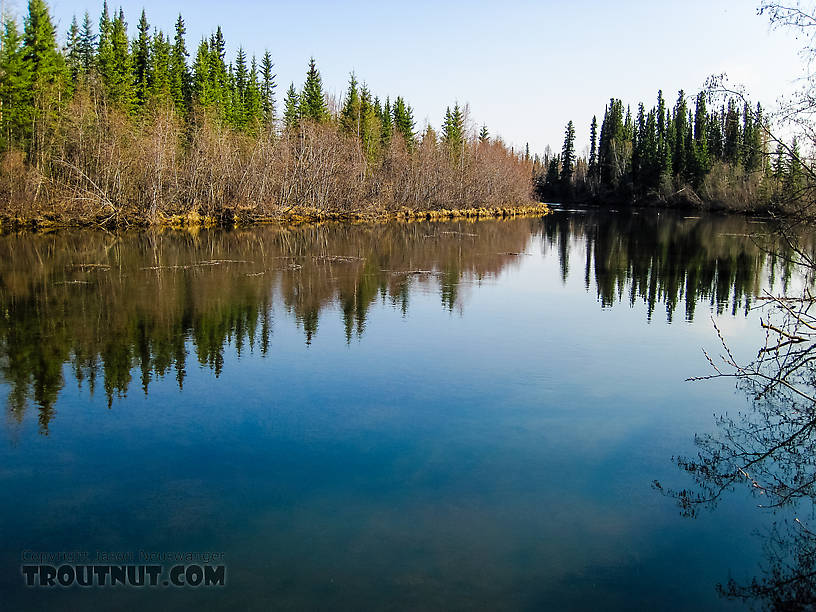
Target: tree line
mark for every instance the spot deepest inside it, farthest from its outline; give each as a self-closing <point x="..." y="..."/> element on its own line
<point x="691" y="152"/>
<point x="117" y="128"/>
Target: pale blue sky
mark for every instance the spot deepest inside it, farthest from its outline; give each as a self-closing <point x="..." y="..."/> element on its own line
<point x="525" y="68"/>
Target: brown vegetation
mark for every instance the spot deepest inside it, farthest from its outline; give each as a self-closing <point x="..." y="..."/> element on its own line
<point x="103" y="168"/>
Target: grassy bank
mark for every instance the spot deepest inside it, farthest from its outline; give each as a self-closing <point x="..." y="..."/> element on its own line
<point x="293" y="217"/>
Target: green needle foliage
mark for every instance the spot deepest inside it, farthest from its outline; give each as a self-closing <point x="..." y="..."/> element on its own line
<point x="118" y="129"/>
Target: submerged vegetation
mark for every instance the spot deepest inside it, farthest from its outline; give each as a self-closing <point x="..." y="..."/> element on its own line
<point x="117" y="130"/>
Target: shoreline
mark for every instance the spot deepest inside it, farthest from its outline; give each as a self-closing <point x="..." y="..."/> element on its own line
<point x="234" y="218"/>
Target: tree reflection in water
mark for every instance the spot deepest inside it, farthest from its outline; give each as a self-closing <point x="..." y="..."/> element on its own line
<point x="143" y="306"/>
<point x="770" y="450"/>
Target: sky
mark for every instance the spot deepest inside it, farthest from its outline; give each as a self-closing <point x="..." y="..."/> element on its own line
<point x="524" y="68"/>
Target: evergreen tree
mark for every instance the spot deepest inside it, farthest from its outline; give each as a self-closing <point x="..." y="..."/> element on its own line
<point x="593" y="147"/>
<point x="141" y="59"/>
<point x="159" y="90"/>
<point x="680" y="132"/>
<point x="179" y="73"/>
<point x="387" y="124"/>
<point x="87" y="40"/>
<point x="14" y="89"/>
<point x="568" y="155"/>
<point x="202" y="82"/>
<point x="104" y="53"/>
<point x="793" y="172"/>
<point x="369" y="125"/>
<point x="715" y="137"/>
<point x="552" y="177"/>
<point x="731" y="146"/>
<point x="73" y="59"/>
<point x="268" y="86"/>
<point x="484" y="135"/>
<point x="779" y="167"/>
<point x="253" y="103"/>
<point x="239" y="118"/>
<point x="44" y="64"/>
<point x="453" y="133"/>
<point x="404" y="121"/>
<point x="350" y="114"/>
<point x="291" y="108"/>
<point x="312" y="104"/>
<point x="219" y="75"/>
<point x="120" y="68"/>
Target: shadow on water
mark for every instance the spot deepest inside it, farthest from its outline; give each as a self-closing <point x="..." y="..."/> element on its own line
<point x="140" y="305"/>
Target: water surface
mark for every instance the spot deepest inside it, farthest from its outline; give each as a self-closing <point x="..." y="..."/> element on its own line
<point x="400" y="416"/>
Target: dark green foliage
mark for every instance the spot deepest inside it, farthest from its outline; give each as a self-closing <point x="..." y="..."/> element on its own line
<point x="118" y="73"/>
<point x="387" y="123"/>
<point x="404" y="121"/>
<point x="141" y="59"/>
<point x="593" y="148"/>
<point x="268" y="85"/>
<point x="568" y="156"/>
<point x="553" y="176"/>
<point x="661" y="152"/>
<point x="453" y="132"/>
<point x="291" y="108"/>
<point x="179" y="73"/>
<point x="73" y="61"/>
<point x="484" y="135"/>
<point x="14" y="92"/>
<point x="44" y="64"/>
<point x="159" y="91"/>
<point x="731" y="135"/>
<point x="350" y="113"/>
<point x="86" y="44"/>
<point x="312" y="103"/>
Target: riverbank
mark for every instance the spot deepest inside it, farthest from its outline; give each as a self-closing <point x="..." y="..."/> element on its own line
<point x="241" y="217"/>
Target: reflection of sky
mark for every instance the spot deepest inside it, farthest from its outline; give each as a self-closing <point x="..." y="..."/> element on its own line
<point x="497" y="456"/>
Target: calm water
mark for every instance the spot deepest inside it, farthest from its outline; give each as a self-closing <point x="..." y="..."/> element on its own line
<point x="436" y="416"/>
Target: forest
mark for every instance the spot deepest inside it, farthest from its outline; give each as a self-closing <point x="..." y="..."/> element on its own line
<point x="114" y="129"/>
<point x="685" y="155"/>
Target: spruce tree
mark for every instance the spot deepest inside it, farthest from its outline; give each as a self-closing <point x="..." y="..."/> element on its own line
<point x="159" y="91"/>
<point x="120" y="69"/>
<point x="593" y="147"/>
<point x="404" y="121"/>
<point x="203" y="92"/>
<point x="369" y="125"/>
<point x="680" y="129"/>
<point x="268" y="86"/>
<point x="141" y="59"/>
<point x="72" y="54"/>
<point x="350" y="113"/>
<point x="87" y="40"/>
<point x="568" y="155"/>
<point x="44" y="64"/>
<point x="253" y="104"/>
<point x="387" y="123"/>
<point x="793" y="179"/>
<point x="312" y="104"/>
<point x="104" y="52"/>
<point x="239" y="106"/>
<point x="453" y="133"/>
<point x="291" y="108"/>
<point x="731" y="146"/>
<point x="179" y="73"/>
<point x="484" y="135"/>
<point x="14" y="88"/>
